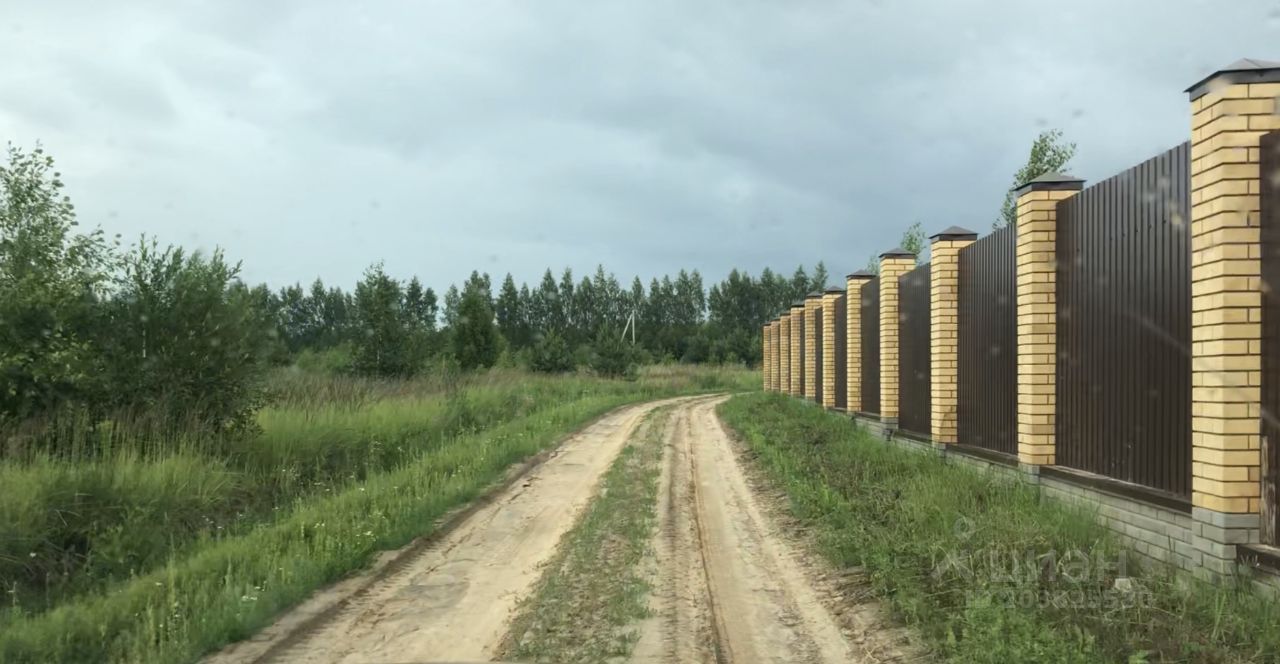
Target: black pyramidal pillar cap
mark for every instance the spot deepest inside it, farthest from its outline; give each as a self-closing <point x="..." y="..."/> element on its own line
<point x="1244" y="70"/>
<point x="898" y="252"/>
<point x="954" y="233"/>
<point x="1051" y="181"/>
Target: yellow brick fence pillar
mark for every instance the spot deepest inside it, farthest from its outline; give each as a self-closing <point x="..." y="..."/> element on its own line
<point x="764" y="358"/>
<point x="833" y="358"/>
<point x="853" y="338"/>
<point x="812" y="345"/>
<point x="944" y="318"/>
<point x="1037" y="279"/>
<point x="893" y="264"/>
<point x="797" y="349"/>
<point x="1230" y="110"/>
<point x="775" y="332"/>
<point x="784" y="353"/>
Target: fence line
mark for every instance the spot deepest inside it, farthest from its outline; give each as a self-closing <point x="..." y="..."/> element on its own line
<point x="1120" y="340"/>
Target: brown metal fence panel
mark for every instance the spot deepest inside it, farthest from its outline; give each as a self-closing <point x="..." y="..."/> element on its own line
<point x="988" y="343"/>
<point x="1270" y="236"/>
<point x="838" y="322"/>
<point x="817" y="332"/>
<point x="871" y="347"/>
<point x="1124" y="326"/>
<point x="914" y="375"/>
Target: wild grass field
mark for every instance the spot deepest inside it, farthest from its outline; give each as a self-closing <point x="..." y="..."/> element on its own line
<point x="159" y="549"/>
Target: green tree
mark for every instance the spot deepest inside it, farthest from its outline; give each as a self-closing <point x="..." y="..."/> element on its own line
<point x="452" y="298"/>
<point x="420" y="305"/>
<point x="185" y="340"/>
<point x="51" y="278"/>
<point x="545" y="311"/>
<point x="820" y="277"/>
<point x="475" y="337"/>
<point x="509" y="310"/>
<point x="551" y="354"/>
<point x="913" y="241"/>
<point x="655" y="317"/>
<point x="611" y="356"/>
<point x="383" y="345"/>
<point x="800" y="284"/>
<point x="586" y="307"/>
<point x="1049" y="152"/>
<point x="568" y="310"/>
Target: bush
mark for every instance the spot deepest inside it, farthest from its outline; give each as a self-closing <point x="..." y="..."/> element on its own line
<point x="185" y="340"/>
<point x="611" y="356"/>
<point x="336" y="360"/>
<point x="551" y="355"/>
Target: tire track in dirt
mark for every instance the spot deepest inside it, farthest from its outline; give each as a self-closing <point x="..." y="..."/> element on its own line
<point x="729" y="587"/>
<point x="453" y="600"/>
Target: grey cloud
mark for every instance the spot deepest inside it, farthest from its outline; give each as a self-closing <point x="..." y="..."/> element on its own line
<point x="312" y="138"/>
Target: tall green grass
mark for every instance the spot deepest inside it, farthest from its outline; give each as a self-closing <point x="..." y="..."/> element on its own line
<point x="74" y="524"/>
<point x="227" y="589"/>
<point x="982" y="567"/>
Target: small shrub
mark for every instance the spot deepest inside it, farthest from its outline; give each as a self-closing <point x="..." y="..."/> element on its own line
<point x="330" y="361"/>
<point x="611" y="356"/>
<point x="551" y="355"/>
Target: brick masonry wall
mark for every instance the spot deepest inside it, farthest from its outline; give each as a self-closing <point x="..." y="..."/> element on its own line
<point x="1037" y="323"/>
<point x="1157" y="533"/>
<point x="830" y="306"/>
<point x="765" y="383"/>
<point x="853" y="342"/>
<point x="944" y="319"/>
<point x="1226" y="294"/>
<point x="775" y="343"/>
<point x="784" y="353"/>
<point x="797" y="351"/>
<point x="891" y="267"/>
<point x="812" y="371"/>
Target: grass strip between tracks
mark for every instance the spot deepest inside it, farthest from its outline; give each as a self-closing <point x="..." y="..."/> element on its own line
<point x="593" y="589"/>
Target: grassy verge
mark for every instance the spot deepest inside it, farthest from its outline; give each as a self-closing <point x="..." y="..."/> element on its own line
<point x="593" y="589"/>
<point x="981" y="567"/>
<point x="73" y="525"/>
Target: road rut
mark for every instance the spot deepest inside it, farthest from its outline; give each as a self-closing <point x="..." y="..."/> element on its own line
<point x="727" y="584"/>
<point x="453" y="600"/>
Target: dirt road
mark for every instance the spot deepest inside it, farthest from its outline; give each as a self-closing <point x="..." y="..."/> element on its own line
<point x="727" y="586"/>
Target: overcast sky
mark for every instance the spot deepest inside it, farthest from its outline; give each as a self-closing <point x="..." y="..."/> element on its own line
<point x="312" y="138"/>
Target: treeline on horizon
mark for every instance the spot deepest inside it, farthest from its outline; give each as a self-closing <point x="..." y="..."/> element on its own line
<point x="94" y="334"/>
<point x="391" y="327"/>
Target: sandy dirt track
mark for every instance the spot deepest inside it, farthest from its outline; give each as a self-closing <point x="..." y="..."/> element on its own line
<point x="727" y="584"/>
<point x="452" y="601"/>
